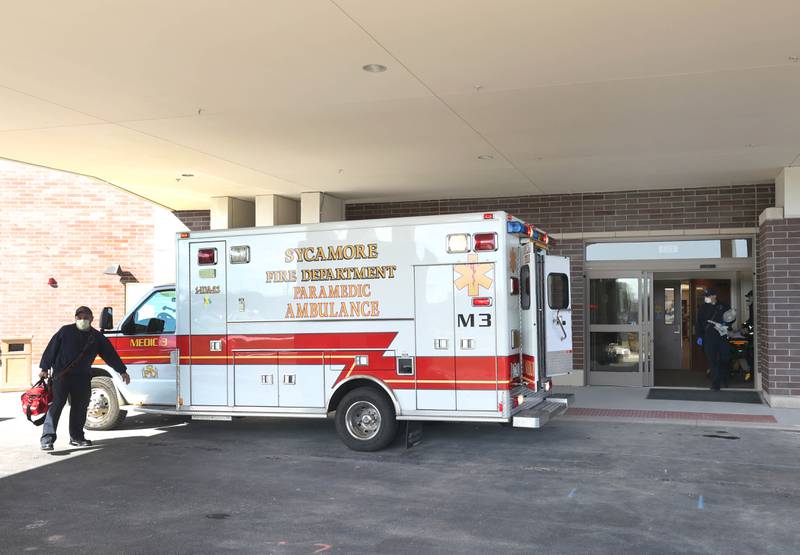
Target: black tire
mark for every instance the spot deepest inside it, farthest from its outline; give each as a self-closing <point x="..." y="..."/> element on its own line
<point x="104" y="412"/>
<point x="365" y="432"/>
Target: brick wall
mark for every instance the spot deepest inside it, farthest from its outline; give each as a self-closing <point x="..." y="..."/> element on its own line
<point x="708" y="207"/>
<point x="195" y="220"/>
<point x="71" y="228"/>
<point x="703" y="208"/>
<point x="778" y="308"/>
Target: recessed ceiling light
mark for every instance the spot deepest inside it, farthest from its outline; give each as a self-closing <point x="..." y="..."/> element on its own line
<point x="374" y="68"/>
<point x="485" y="157"/>
<point x="187" y="175"/>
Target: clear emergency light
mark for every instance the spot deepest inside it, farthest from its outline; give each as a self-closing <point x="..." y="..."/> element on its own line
<point x="240" y="254"/>
<point x="458" y="242"/>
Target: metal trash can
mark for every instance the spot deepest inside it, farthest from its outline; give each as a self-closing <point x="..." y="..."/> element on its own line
<point x="15" y="364"/>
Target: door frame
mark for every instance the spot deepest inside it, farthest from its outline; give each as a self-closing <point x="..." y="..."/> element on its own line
<point x="644" y="376"/>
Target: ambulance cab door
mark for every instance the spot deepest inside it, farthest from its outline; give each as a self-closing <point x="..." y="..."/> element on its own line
<point x="557" y="313"/>
<point x="148" y="338"/>
<point x="208" y="325"/>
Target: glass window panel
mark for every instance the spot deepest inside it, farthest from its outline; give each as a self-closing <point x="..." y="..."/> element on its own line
<point x="614" y="301"/>
<point x="615" y="351"/>
<point x="558" y="291"/>
<point x="669" y="306"/>
<point x="525" y="287"/>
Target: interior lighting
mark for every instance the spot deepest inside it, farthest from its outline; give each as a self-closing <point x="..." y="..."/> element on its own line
<point x="374" y="68"/>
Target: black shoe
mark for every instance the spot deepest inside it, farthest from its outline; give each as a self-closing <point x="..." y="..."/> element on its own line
<point x="47" y="446"/>
<point x="80" y="442"/>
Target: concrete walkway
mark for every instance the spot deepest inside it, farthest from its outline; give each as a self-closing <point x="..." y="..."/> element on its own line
<point x="632" y="404"/>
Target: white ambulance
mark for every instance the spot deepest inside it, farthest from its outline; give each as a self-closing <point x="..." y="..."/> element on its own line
<point x="461" y="318"/>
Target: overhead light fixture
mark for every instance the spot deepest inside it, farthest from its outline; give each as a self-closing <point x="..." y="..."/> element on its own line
<point x="485" y="157"/>
<point x="113" y="270"/>
<point x="187" y="175"/>
<point x="374" y="68"/>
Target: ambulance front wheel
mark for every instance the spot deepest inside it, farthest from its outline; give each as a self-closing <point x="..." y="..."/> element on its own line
<point x="365" y="419"/>
<point x="103" y="412"/>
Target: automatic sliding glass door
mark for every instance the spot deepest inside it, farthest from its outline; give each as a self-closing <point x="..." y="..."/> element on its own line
<point x="620" y="328"/>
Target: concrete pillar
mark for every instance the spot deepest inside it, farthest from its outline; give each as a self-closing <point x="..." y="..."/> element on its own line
<point x="230" y="212"/>
<point x="787" y="192"/>
<point x="320" y="207"/>
<point x="778" y="293"/>
<point x="276" y="210"/>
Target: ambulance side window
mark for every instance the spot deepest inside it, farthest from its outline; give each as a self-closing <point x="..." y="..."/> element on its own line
<point x="525" y="287"/>
<point x="156" y="315"/>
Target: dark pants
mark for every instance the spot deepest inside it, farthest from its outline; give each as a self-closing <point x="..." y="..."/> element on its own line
<point x="718" y="353"/>
<point x="79" y="389"/>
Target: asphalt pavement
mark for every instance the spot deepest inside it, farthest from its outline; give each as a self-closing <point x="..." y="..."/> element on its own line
<point x="168" y="485"/>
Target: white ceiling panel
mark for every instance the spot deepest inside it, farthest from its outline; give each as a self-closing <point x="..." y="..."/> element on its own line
<point x="257" y="97"/>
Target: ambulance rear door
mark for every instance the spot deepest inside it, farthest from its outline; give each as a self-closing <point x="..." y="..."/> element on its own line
<point x="555" y="308"/>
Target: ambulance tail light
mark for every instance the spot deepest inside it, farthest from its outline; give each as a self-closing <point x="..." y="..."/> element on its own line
<point x="206" y="257"/>
<point x="485" y="241"/>
<point x="482" y="301"/>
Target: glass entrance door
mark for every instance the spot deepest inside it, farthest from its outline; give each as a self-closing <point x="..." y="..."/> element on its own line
<point x="620" y="328"/>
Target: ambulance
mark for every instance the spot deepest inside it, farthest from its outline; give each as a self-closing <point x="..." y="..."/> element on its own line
<point x="458" y="318"/>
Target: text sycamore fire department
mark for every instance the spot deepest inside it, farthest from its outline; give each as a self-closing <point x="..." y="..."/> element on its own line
<point x="332" y="301"/>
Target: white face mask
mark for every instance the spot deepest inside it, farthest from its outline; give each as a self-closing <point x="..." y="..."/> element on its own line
<point x="708" y="300"/>
<point x="83" y="325"/>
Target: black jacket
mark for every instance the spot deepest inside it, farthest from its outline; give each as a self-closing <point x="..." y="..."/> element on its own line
<point x="67" y="344"/>
<point x="708" y="312"/>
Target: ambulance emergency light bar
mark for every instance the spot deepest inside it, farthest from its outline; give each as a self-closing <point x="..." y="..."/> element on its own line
<point x="520" y="228"/>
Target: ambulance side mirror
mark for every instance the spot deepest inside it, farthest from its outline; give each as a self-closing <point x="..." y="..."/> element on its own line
<point x="107" y="318"/>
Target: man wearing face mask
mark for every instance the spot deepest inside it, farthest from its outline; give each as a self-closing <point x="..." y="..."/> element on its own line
<point x="716" y="348"/>
<point x="70" y="353"/>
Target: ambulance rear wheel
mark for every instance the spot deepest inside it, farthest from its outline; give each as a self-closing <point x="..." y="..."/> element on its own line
<point x="365" y="420"/>
<point x="103" y="412"/>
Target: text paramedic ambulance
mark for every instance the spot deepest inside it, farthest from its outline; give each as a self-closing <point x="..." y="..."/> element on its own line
<point x="456" y="318"/>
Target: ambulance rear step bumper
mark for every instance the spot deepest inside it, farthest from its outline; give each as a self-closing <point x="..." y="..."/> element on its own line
<point x="539" y="415"/>
<point x="212" y="418"/>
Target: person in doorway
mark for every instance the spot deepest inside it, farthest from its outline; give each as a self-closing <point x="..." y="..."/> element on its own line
<point x="715" y="346"/>
<point x="70" y="354"/>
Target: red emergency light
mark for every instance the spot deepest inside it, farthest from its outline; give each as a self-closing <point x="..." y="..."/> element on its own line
<point x="206" y="257"/>
<point x="482" y="301"/>
<point x="488" y="216"/>
<point x="485" y="241"/>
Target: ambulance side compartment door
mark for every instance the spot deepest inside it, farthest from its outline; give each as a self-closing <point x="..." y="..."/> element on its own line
<point x="208" y="322"/>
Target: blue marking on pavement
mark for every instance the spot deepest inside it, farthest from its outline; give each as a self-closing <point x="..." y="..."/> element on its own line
<point x="701" y="503"/>
<point x="572" y="493"/>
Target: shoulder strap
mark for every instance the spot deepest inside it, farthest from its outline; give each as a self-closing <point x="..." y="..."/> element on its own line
<point x="77" y="359"/>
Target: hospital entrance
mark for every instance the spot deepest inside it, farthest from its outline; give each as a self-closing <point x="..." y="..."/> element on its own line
<point x="643" y="305"/>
